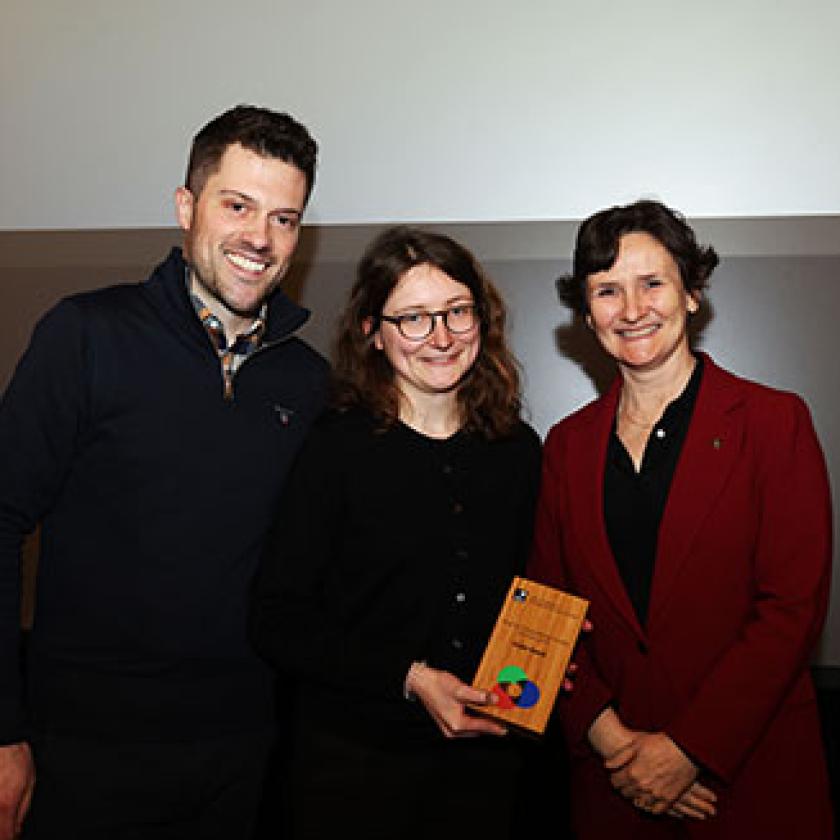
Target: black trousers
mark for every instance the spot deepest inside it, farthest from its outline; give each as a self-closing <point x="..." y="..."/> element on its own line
<point x="458" y="789"/>
<point x="112" y="790"/>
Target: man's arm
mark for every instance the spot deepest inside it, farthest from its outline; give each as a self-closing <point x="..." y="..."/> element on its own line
<point x="40" y="419"/>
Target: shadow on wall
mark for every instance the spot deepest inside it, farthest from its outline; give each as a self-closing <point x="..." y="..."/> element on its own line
<point x="295" y="282"/>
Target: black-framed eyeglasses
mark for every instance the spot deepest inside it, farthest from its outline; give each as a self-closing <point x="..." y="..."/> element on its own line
<point x="416" y="326"/>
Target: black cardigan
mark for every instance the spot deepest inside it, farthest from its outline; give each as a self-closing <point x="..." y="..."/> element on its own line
<point x="390" y="547"/>
<point x="155" y="495"/>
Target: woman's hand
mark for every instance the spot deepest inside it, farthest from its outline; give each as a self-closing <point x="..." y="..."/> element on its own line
<point x="571" y="670"/>
<point x="610" y="738"/>
<point x="445" y="696"/>
<point x="697" y="803"/>
<point x="631" y="756"/>
<point x="655" y="774"/>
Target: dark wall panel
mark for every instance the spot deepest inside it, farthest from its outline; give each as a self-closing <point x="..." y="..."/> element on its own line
<point x="771" y="312"/>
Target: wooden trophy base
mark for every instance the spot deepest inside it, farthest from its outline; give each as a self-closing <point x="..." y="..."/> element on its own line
<point x="529" y="650"/>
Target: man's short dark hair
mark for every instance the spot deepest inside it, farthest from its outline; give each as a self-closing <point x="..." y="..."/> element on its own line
<point x="267" y="133"/>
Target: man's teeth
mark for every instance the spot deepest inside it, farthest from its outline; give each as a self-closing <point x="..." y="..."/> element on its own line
<point x="246" y="264"/>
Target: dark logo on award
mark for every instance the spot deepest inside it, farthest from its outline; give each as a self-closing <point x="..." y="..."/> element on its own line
<point x="520" y="594"/>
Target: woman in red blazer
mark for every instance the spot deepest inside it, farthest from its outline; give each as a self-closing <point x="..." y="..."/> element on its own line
<point x="692" y="508"/>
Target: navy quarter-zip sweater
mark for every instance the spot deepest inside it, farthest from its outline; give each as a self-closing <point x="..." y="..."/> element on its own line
<point x="154" y="495"/>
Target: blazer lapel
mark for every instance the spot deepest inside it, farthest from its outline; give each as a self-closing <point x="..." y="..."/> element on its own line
<point x="708" y="456"/>
<point x="588" y="455"/>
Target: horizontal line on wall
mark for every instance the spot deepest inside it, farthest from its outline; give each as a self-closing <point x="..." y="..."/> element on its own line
<point x="770" y="236"/>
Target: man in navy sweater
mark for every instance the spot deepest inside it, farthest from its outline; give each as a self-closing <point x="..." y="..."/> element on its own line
<point x="149" y="429"/>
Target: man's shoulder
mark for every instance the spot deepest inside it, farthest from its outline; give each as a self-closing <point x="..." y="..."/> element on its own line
<point x="107" y="299"/>
<point x="307" y="354"/>
<point x="130" y="293"/>
<point x="77" y="314"/>
<point x="294" y="367"/>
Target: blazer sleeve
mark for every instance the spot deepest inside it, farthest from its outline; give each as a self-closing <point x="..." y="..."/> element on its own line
<point x="41" y="419"/>
<point x="791" y="568"/>
<point x="590" y="694"/>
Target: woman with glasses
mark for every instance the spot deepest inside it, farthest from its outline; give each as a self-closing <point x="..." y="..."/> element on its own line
<point x="408" y="513"/>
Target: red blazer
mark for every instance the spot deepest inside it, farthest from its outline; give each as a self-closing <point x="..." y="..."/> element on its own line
<point x="738" y="600"/>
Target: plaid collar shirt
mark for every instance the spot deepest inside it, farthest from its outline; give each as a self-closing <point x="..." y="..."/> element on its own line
<point x="232" y="355"/>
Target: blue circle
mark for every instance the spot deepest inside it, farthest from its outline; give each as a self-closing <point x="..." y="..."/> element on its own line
<point x="530" y="695"/>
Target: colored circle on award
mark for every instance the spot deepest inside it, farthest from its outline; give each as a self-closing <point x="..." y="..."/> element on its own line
<point x="514" y="690"/>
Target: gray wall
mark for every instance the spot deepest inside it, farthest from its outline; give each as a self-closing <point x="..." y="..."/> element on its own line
<point x="771" y="313"/>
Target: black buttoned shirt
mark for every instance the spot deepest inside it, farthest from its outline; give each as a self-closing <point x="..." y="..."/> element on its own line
<point x="391" y="547"/>
<point x="635" y="501"/>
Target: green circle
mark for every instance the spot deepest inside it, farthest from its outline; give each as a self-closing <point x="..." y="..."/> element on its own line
<point x="512" y="674"/>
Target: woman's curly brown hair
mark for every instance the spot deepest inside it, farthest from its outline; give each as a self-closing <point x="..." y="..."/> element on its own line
<point x="489" y="396"/>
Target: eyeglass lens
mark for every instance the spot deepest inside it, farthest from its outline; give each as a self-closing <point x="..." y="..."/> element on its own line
<point x="459" y="319"/>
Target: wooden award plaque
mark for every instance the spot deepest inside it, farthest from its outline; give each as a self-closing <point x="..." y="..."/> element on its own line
<point x="526" y="658"/>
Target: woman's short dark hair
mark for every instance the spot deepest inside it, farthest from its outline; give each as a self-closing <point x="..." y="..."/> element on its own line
<point x="598" y="238"/>
<point x="489" y="396"/>
<point x="267" y="133"/>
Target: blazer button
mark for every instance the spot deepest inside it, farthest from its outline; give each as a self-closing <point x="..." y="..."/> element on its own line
<point x="643" y="648"/>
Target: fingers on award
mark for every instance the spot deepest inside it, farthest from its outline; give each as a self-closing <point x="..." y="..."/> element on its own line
<point x="525" y="661"/>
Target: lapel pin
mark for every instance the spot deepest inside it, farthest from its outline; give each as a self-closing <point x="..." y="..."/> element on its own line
<point x="716" y="443"/>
